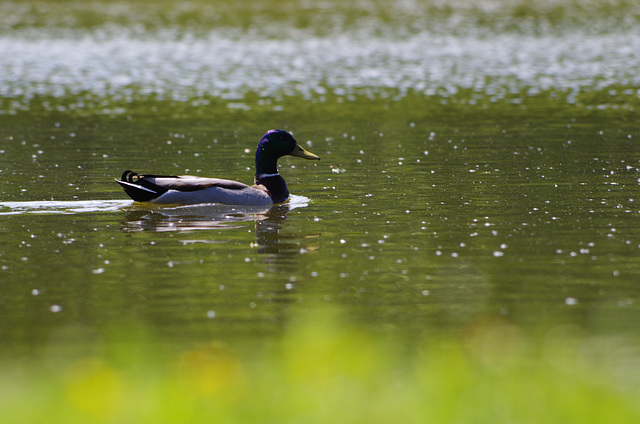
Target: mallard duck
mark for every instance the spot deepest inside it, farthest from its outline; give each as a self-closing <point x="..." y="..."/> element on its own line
<point x="269" y="187"/>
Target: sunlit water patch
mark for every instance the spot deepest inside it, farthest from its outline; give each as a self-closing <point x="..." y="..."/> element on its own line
<point x="97" y="66"/>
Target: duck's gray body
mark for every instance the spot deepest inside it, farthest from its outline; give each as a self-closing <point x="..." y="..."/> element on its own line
<point x="190" y="190"/>
<point x="247" y="196"/>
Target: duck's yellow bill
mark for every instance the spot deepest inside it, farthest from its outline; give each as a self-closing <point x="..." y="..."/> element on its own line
<point x="300" y="152"/>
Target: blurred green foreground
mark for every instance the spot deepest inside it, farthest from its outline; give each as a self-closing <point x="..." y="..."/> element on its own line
<point x="324" y="372"/>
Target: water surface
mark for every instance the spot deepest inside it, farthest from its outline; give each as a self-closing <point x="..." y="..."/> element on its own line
<point x="471" y="167"/>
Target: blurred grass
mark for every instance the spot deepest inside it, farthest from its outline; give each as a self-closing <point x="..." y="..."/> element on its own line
<point x="327" y="372"/>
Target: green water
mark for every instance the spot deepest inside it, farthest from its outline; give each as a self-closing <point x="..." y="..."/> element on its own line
<point x="479" y="163"/>
<point x="419" y="219"/>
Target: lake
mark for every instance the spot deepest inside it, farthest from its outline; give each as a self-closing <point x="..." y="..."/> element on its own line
<point x="479" y="186"/>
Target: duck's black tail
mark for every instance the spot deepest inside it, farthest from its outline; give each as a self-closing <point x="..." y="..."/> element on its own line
<point x="138" y="188"/>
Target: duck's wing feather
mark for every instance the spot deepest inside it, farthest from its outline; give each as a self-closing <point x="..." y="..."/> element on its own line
<point x="191" y="183"/>
<point x="147" y="187"/>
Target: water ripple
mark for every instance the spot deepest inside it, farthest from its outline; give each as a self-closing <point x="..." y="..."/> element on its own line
<point x="62" y="207"/>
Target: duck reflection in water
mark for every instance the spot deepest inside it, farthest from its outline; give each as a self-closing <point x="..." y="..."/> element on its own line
<point x="188" y="219"/>
<point x="193" y="218"/>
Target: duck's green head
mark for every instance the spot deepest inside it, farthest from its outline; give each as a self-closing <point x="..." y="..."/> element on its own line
<point x="275" y="144"/>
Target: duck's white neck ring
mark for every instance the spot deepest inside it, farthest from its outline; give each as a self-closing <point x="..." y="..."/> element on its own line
<point x="260" y="176"/>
